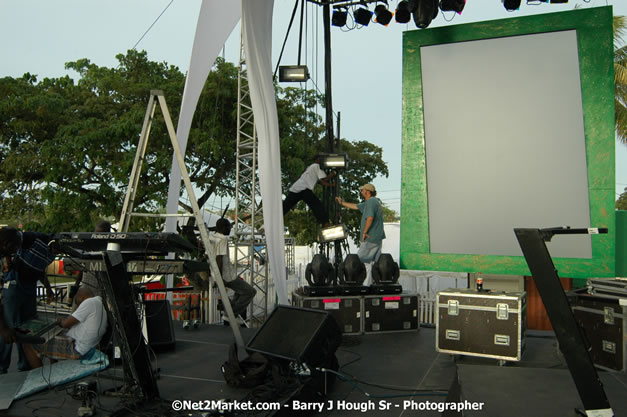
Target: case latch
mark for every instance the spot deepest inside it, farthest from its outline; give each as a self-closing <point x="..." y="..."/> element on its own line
<point x="453" y="307"/>
<point x="502" y="311"/>
<point x="609" y="347"/>
<point x="608" y="315"/>
<point x="453" y="334"/>
<point x="501" y="339"/>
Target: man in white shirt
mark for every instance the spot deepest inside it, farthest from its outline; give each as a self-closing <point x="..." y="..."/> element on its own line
<point x="302" y="189"/>
<point x="244" y="292"/>
<point x="85" y="327"/>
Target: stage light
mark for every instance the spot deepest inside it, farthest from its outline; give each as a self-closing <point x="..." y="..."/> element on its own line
<point x="332" y="160"/>
<point x="385" y="270"/>
<point x="333" y="233"/>
<point x="293" y="73"/>
<point x="339" y="18"/>
<point x="452" y="5"/>
<point x="424" y="12"/>
<point x="352" y="271"/>
<point x="511" y="5"/>
<point x="362" y="16"/>
<point x="383" y="15"/>
<point x="402" y="12"/>
<point x="319" y="272"/>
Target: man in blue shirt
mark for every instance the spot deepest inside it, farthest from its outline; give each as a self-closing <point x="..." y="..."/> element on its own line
<point x="371" y="232"/>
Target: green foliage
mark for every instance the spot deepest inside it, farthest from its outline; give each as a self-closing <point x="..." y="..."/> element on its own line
<point x="67" y="148"/>
<point x="620" y="78"/>
<point x="621" y="203"/>
<point x="389" y="215"/>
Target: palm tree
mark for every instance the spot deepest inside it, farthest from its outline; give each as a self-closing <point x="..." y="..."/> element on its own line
<point x="620" y="78"/>
<point x="620" y="88"/>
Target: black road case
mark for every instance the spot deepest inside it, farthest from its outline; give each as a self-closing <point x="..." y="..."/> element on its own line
<point x="346" y="309"/>
<point x="602" y="317"/>
<point x="391" y="313"/>
<point x="485" y="324"/>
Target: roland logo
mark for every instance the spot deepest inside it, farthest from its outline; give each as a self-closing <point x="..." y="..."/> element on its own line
<point x="108" y="236"/>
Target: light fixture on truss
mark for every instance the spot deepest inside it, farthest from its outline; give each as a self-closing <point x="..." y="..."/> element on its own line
<point x="293" y="73"/>
<point x="333" y="233"/>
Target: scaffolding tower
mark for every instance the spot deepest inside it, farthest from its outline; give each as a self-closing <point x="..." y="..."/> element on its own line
<point x="250" y="241"/>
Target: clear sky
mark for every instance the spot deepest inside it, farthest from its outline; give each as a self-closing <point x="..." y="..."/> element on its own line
<point x="39" y="36"/>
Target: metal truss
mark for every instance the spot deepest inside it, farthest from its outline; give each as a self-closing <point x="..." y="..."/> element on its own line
<point x="250" y="240"/>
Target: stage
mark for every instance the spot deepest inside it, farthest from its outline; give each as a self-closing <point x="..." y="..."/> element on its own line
<point x="389" y="367"/>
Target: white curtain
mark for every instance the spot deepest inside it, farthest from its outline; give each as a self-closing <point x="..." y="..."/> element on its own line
<point x="257" y="36"/>
<point x="216" y="21"/>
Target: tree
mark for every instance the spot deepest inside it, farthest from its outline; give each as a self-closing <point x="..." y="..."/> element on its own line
<point x="389" y="215"/>
<point x="67" y="148"/>
<point x="621" y="203"/>
<point x="620" y="86"/>
<point x="620" y="78"/>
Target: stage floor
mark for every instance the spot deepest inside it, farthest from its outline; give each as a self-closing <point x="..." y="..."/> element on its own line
<point x="386" y="370"/>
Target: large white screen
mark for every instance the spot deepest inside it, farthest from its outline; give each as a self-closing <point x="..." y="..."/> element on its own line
<point x="505" y="143"/>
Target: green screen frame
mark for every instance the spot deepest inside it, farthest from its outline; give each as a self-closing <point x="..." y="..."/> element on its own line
<point x="595" y="49"/>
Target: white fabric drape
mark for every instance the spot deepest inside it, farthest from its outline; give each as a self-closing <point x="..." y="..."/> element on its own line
<point x="257" y="37"/>
<point x="216" y="21"/>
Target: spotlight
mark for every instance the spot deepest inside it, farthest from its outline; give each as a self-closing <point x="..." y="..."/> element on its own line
<point x="402" y="12"/>
<point x="333" y="233"/>
<point x="319" y="272"/>
<point x="383" y="15"/>
<point x="339" y="18"/>
<point x="293" y="73"/>
<point x="333" y="160"/>
<point x="511" y="5"/>
<point x="352" y="271"/>
<point x="452" y="5"/>
<point x="362" y="16"/>
<point x="385" y="270"/>
<point x="424" y="12"/>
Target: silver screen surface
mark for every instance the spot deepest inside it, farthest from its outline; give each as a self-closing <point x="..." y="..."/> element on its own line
<point x="505" y="145"/>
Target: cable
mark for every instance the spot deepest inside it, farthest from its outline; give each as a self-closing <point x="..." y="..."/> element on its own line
<point x="357" y="359"/>
<point x="287" y="34"/>
<point x="153" y="23"/>
<point x="416" y="393"/>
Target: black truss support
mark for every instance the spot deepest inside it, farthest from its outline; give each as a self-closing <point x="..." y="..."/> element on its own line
<point x="571" y="340"/>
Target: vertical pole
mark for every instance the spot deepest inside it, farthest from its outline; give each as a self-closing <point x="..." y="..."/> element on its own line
<point x="326" y="11"/>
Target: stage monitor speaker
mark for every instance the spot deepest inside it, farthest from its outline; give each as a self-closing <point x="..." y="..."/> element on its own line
<point x="298" y="334"/>
<point x="159" y="325"/>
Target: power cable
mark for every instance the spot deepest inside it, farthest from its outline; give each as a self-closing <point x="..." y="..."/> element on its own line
<point x="153" y="23"/>
<point x="287" y="34"/>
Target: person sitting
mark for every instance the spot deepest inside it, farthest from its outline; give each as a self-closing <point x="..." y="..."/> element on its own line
<point x="83" y="330"/>
<point x="90" y="279"/>
<point x="244" y="292"/>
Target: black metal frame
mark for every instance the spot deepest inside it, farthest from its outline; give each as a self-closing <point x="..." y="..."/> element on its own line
<point x="116" y="283"/>
<point x="571" y="340"/>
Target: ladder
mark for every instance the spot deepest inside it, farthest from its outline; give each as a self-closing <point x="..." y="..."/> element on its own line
<point x="156" y="96"/>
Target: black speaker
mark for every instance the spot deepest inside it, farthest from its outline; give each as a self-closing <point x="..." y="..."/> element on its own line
<point x="298" y="334"/>
<point x="159" y="325"/>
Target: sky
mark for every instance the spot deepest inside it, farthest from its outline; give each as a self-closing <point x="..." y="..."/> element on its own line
<point x="40" y="36"/>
